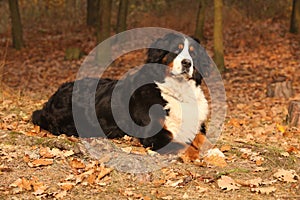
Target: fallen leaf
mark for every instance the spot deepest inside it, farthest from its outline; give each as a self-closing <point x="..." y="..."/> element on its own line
<point x="45" y="152"/>
<point x="84" y="175"/>
<point x="66" y="185"/>
<point x="285" y="154"/>
<point x="288" y="176"/>
<point x="5" y="169"/>
<point x="127" y="149"/>
<point x="68" y="153"/>
<point x="185" y="196"/>
<point x="215" y="157"/>
<point x="264" y="190"/>
<point x="26" y="158"/>
<point x="225" y="148"/>
<point x="227" y="183"/>
<point x="152" y="153"/>
<point x="16" y="183"/>
<point x="91" y="179"/>
<point x="281" y="128"/>
<point x="104" y="171"/>
<point x="38" y="187"/>
<point x="22" y="183"/>
<point x="260" y="169"/>
<point x="167" y="197"/>
<point x="292" y="149"/>
<point x="269" y="182"/>
<point x="159" y="182"/>
<point x="173" y="183"/>
<point x="56" y="152"/>
<point x="37" y="129"/>
<point x="40" y="162"/>
<point x="76" y="163"/>
<point x="259" y="161"/>
<point x="250" y="183"/>
<point x="61" y="194"/>
<point x="128" y="192"/>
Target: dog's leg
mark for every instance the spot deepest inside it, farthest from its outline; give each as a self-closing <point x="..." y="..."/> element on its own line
<point x="199" y="145"/>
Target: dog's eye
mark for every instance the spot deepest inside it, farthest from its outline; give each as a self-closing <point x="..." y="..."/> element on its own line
<point x="179" y="48"/>
<point x="191" y="48"/>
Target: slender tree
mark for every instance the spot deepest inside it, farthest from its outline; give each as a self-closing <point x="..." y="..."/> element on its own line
<point x="218" y="35"/>
<point x="122" y="16"/>
<point x="199" y="32"/>
<point x="103" y="28"/>
<point x="92" y="12"/>
<point x="295" y="18"/>
<point x="16" y="25"/>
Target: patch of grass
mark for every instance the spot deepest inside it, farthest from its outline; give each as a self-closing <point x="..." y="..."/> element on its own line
<point x="40" y="140"/>
<point x="55" y="143"/>
<point x="231" y="171"/>
<point x="275" y="158"/>
<point x="12" y="133"/>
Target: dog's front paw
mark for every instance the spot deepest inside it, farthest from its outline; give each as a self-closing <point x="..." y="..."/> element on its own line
<point x="199" y="146"/>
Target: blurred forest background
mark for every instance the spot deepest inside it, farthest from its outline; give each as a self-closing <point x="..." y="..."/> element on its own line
<point x="74" y="27"/>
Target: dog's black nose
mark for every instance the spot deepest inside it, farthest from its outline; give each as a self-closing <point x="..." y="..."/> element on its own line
<point x="186" y="64"/>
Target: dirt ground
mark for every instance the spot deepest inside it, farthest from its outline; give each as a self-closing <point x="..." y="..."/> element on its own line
<point x="262" y="154"/>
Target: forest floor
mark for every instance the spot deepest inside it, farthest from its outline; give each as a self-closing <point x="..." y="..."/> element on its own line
<point x="262" y="154"/>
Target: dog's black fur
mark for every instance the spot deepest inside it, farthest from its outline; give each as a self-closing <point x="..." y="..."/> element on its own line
<point x="56" y="115"/>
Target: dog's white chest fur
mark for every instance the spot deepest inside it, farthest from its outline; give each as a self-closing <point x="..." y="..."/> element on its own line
<point x="187" y="107"/>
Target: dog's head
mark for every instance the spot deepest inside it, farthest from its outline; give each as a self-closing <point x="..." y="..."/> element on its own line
<point x="183" y="56"/>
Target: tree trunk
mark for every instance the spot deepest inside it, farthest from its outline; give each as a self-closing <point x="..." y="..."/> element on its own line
<point x="122" y="16"/>
<point x="295" y="18"/>
<point x="92" y="12"/>
<point x="293" y="117"/>
<point x="103" y="29"/>
<point x="280" y="87"/>
<point x="16" y="25"/>
<point x="199" y="32"/>
<point x="218" y="35"/>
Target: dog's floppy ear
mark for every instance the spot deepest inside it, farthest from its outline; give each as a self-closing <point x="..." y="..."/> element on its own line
<point x="155" y="55"/>
<point x="196" y="39"/>
<point x="159" y="48"/>
<point x="202" y="63"/>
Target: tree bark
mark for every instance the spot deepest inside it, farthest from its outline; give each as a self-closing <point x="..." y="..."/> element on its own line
<point x="218" y="35"/>
<point x="103" y="29"/>
<point x="199" y="32"/>
<point x="92" y="12"/>
<point x="16" y="25"/>
<point x="280" y="87"/>
<point x="293" y="117"/>
<point x="295" y="18"/>
<point x="122" y="16"/>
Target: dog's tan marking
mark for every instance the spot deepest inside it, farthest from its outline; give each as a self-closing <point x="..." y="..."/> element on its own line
<point x="199" y="144"/>
<point x="180" y="46"/>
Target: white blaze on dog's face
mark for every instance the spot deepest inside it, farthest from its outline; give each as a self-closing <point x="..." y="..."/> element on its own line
<point x="183" y="63"/>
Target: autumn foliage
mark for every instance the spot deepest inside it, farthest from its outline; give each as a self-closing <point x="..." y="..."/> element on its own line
<point x="257" y="155"/>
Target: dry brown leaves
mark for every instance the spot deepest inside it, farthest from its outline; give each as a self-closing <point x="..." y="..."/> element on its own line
<point x="288" y="176"/>
<point x="84" y="173"/>
<point x="227" y="183"/>
<point x="32" y="185"/>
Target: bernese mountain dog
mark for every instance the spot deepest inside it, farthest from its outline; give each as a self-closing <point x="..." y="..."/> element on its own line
<point x="170" y="108"/>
